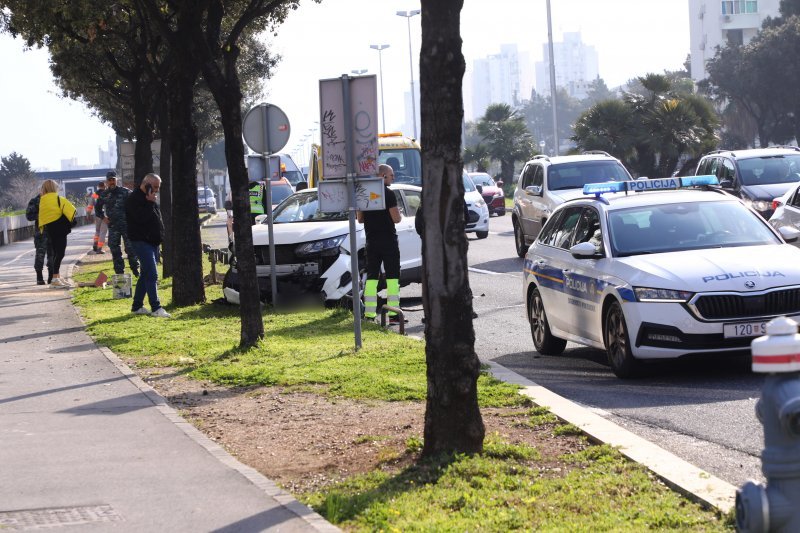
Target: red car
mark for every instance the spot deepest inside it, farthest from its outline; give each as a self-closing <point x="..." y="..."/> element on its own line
<point x="492" y="192"/>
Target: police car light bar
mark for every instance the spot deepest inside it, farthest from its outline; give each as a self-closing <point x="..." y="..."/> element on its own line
<point x="649" y="184"/>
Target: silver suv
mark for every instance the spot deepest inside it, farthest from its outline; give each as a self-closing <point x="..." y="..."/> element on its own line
<point x="546" y="182"/>
<point x="757" y="176"/>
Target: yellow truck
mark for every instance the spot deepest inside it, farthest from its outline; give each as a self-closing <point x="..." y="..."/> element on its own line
<point x="400" y="152"/>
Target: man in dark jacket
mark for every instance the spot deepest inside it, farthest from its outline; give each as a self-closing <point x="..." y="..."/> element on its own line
<point x="112" y="206"/>
<point x="146" y="232"/>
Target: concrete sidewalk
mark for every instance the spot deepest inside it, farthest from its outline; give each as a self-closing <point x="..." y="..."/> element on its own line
<point x="85" y="445"/>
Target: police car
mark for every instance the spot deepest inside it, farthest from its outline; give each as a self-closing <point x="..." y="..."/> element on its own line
<point x="655" y="269"/>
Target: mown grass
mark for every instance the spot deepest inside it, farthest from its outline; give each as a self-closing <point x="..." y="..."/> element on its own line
<point x="507" y="487"/>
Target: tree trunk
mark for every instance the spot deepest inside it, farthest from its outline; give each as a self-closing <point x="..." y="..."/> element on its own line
<point x="452" y="419"/>
<point x="165" y="172"/>
<point x="228" y="95"/>
<point x="187" y="287"/>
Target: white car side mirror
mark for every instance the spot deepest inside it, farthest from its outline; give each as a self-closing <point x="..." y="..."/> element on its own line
<point x="789" y="233"/>
<point x="260" y="219"/>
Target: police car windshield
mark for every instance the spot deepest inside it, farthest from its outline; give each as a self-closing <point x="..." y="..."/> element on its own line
<point x="562" y="176"/>
<point x="773" y="169"/>
<point x="685" y="226"/>
<point x="304" y="207"/>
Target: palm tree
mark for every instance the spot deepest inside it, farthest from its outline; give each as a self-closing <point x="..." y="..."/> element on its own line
<point x="507" y="138"/>
<point x="478" y="156"/>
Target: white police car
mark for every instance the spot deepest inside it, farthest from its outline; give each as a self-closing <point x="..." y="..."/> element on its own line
<point x="659" y="273"/>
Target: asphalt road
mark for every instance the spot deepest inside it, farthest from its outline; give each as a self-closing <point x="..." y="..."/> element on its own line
<point x="701" y="410"/>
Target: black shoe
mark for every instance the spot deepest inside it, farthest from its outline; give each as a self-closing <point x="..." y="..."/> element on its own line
<point x="40" y="281"/>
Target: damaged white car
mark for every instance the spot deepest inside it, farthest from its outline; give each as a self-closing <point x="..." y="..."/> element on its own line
<point x="312" y="250"/>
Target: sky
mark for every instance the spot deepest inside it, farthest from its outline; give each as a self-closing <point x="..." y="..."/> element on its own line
<point x="326" y="40"/>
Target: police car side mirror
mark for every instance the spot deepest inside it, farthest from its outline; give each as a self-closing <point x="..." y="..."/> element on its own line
<point x="585" y="250"/>
<point x="534" y="189"/>
<point x="260" y="219"/>
<point x="789" y="233"/>
<point x="726" y="183"/>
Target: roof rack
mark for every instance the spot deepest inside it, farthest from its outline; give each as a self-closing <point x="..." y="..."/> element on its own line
<point x="595" y="152"/>
<point x="787" y="147"/>
<point x="541" y="156"/>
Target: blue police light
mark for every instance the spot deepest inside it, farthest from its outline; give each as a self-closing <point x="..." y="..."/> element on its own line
<point x="644" y="184"/>
<point x="599" y="188"/>
<point x="696" y="181"/>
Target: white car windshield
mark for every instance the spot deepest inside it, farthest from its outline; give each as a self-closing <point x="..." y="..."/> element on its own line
<point x="304" y="207"/>
<point x="685" y="226"/>
<point x="575" y="175"/>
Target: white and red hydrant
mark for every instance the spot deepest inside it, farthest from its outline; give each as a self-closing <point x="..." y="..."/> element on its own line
<point x="776" y="506"/>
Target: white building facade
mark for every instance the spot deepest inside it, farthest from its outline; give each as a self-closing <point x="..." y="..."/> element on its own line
<point x="504" y="78"/>
<point x="576" y="66"/>
<point x="715" y="23"/>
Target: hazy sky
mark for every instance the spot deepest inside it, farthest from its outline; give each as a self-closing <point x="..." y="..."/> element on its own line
<point x="322" y="41"/>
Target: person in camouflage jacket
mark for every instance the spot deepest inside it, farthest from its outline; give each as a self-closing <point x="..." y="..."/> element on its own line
<point x="112" y="206"/>
<point x="40" y="242"/>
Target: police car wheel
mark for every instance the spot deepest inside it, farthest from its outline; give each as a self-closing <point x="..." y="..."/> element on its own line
<point x="618" y="345"/>
<point x="482" y="234"/>
<point x="543" y="340"/>
<point x="519" y="240"/>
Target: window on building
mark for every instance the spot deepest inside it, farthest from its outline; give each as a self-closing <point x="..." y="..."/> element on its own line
<point x="734" y="37"/>
<point x="737" y="7"/>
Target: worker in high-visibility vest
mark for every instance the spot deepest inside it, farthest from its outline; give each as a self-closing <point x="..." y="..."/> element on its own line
<point x="256" y="193"/>
<point x="382" y="249"/>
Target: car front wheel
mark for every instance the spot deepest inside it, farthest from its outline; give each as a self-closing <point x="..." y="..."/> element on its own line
<point x="543" y="340"/>
<point x="519" y="240"/>
<point x="618" y="344"/>
<point x="482" y="234"/>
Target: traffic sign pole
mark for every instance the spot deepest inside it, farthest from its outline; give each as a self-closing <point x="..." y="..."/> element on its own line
<point x="351" y="174"/>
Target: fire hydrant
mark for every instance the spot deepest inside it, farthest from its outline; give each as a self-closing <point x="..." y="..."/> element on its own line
<point x="776" y="506"/>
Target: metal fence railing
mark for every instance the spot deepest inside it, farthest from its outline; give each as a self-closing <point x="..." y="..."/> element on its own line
<point x="18" y="228"/>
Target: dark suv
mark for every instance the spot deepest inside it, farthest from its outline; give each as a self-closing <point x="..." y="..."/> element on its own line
<point x="757" y="176"/>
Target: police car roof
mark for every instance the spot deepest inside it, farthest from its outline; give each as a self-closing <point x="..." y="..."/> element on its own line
<point x="673" y="196"/>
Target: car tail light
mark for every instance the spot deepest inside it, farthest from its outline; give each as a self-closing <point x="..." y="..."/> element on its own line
<point x="776" y="203"/>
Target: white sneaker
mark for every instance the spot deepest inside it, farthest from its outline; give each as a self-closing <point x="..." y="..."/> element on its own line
<point x="60" y="283"/>
<point x="161" y="313"/>
<point x="141" y="311"/>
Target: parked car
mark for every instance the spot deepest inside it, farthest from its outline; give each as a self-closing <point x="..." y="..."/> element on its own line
<point x="756" y="176"/>
<point x="658" y="274"/>
<point x="206" y="201"/>
<point x="786" y="210"/>
<point x="491" y="191"/>
<point x="547" y="182"/>
<point x="477" y="211"/>
<point x="312" y="249"/>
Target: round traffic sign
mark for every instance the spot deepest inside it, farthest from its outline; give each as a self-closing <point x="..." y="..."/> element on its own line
<point x="265" y="129"/>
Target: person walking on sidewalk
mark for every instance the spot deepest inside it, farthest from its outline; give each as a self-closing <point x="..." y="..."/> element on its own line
<point x="146" y="231"/>
<point x="56" y="217"/>
<point x="113" y="207"/>
<point x="39" y="242"/>
<point x="100" y="227"/>
<point x="382" y="249"/>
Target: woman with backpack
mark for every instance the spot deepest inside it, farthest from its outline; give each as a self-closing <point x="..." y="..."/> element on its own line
<point x="56" y="218"/>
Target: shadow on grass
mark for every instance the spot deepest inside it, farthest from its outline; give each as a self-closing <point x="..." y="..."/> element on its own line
<point x="339" y="506"/>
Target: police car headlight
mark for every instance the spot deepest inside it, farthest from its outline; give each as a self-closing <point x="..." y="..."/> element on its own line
<point x="647" y="294"/>
<point x="323" y="247"/>
<point x="480" y="203"/>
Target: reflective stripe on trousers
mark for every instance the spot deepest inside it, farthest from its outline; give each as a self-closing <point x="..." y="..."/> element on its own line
<point x="370" y="298"/>
<point x="392" y="294"/>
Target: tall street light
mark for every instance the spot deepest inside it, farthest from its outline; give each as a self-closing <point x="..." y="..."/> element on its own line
<point x="552" y="78"/>
<point x="359" y="72"/>
<point x="380" y="48"/>
<point x="408" y="15"/>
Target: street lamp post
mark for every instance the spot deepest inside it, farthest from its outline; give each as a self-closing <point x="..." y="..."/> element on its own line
<point x="552" y="78"/>
<point x="359" y="72"/>
<point x="380" y="48"/>
<point x="408" y="15"/>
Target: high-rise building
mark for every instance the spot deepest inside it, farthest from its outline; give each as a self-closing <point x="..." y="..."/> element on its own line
<point x="576" y="66"/>
<point x="502" y="78"/>
<point x="714" y="23"/>
<point x="108" y="158"/>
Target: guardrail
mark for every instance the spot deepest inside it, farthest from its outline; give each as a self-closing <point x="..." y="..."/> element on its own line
<point x="18" y="228"/>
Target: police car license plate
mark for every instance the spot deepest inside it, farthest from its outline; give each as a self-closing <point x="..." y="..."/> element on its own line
<point x="745" y="329"/>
